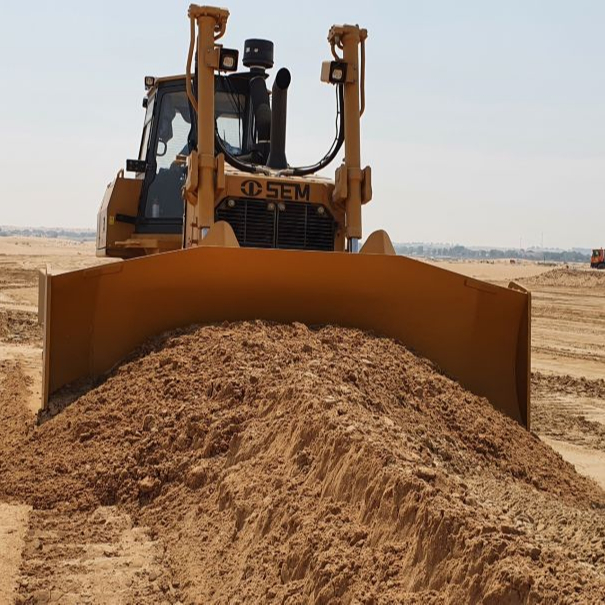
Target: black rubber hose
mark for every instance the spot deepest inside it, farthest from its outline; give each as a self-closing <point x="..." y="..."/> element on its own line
<point x="303" y="170"/>
<point x="340" y="138"/>
<point x="259" y="96"/>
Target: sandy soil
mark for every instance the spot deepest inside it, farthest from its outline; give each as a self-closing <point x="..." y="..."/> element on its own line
<point x="497" y="271"/>
<point x="94" y="557"/>
<point x="278" y="463"/>
<point x="14" y="520"/>
<point x="185" y="520"/>
<point x="569" y="323"/>
<point x="568" y="354"/>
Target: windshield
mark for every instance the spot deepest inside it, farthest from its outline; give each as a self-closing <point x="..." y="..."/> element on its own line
<point x="229" y="110"/>
<point x="164" y="198"/>
<point x="167" y="136"/>
<point x="146" y="129"/>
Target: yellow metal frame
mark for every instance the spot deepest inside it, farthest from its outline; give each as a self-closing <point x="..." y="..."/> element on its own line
<point x="207" y="181"/>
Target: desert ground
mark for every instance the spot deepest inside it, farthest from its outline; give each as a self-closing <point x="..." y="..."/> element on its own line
<point x="568" y="355"/>
<point x="61" y="542"/>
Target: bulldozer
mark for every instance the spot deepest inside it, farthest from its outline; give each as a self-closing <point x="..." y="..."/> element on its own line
<point x="597" y="258"/>
<point x="215" y="225"/>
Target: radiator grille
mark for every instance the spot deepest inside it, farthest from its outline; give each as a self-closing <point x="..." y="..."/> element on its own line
<point x="298" y="226"/>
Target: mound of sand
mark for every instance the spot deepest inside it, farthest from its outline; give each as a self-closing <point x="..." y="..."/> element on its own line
<point x="19" y="327"/>
<point x="561" y="406"/>
<point x="288" y="465"/>
<point x="570" y="385"/>
<point x="568" y="278"/>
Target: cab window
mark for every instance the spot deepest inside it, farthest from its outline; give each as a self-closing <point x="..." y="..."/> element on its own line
<point x="164" y="198"/>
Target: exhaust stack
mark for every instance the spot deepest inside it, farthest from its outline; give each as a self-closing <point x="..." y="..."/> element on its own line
<point x="262" y="114"/>
<point x="279" y="103"/>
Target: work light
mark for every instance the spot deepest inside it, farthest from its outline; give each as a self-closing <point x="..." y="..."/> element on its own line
<point x="228" y="59"/>
<point x="334" y="72"/>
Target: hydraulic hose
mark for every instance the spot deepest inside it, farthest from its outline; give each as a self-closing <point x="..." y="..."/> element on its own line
<point x="188" y="76"/>
<point x="300" y="170"/>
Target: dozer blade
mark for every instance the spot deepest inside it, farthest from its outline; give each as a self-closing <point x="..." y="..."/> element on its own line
<point x="477" y="333"/>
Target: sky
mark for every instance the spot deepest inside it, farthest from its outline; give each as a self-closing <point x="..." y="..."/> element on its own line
<point x="484" y="122"/>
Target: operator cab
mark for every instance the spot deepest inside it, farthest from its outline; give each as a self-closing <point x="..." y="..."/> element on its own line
<point x="250" y="136"/>
<point x="169" y="136"/>
<point x="242" y="132"/>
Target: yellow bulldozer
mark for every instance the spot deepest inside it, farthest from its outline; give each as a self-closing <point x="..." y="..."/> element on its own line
<point x="216" y="225"/>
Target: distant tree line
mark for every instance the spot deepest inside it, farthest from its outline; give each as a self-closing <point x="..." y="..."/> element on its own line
<point x="462" y="252"/>
<point x="443" y="251"/>
<point x="77" y="234"/>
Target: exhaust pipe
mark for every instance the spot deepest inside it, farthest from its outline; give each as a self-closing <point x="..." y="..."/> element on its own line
<point x="262" y="114"/>
<point x="277" y="153"/>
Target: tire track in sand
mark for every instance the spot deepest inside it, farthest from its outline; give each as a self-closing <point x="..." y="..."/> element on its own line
<point x="61" y="556"/>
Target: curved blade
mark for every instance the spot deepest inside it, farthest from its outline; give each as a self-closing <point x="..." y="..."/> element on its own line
<point x="477" y="333"/>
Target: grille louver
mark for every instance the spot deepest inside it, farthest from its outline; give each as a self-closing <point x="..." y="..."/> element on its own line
<point x="298" y="227"/>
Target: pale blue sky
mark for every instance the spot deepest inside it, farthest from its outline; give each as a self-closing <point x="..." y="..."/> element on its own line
<point x="485" y="120"/>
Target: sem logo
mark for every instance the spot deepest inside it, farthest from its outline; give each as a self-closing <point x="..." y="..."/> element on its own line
<point x="287" y="191"/>
<point x="277" y="190"/>
<point x="251" y="188"/>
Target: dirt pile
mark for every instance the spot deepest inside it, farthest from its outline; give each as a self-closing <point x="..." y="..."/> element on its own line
<point x="569" y="385"/>
<point x="282" y="464"/>
<point x="19" y="327"/>
<point x="16" y="278"/>
<point x="569" y="408"/>
<point x="72" y="558"/>
<point x="565" y="277"/>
